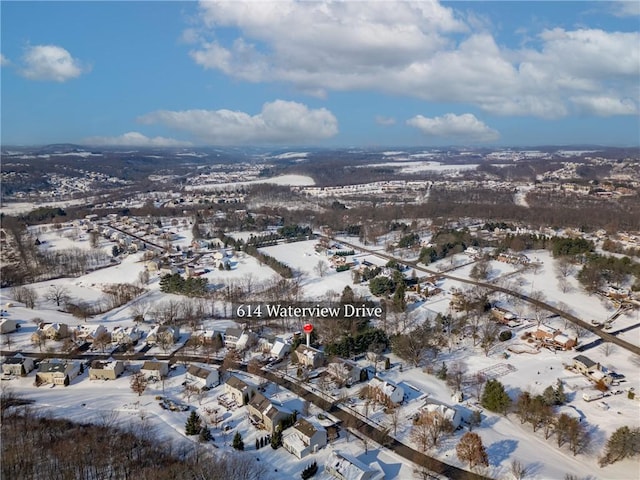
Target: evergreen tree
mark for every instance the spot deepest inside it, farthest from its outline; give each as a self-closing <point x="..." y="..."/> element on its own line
<point x="276" y="439"/>
<point x="238" y="444"/>
<point x="442" y="373"/>
<point x="205" y="434"/>
<point x="623" y="443"/>
<point x="399" y="300"/>
<point x="560" y="396"/>
<point x="257" y="444"/>
<point x="193" y="425"/>
<point x="494" y="397"/>
<point x="387" y="363"/>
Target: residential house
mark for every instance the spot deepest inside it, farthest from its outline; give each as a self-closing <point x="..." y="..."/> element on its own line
<point x="109" y="370"/>
<point x="309" y="356"/>
<point x="592" y="370"/>
<point x="57" y="372"/>
<point x="8" y="325"/>
<point x="502" y="315"/>
<point x="231" y="336"/>
<point x="89" y="333"/>
<point x="126" y="335"/>
<point x="384" y="390"/>
<point x="203" y="378"/>
<point x="344" y="372"/>
<point x="304" y="438"/>
<point x="265" y="413"/>
<point x="280" y="348"/>
<point x="155" y="370"/>
<point x="246" y="340"/>
<point x="545" y="332"/>
<point x="52" y="331"/>
<point x="554" y="337"/>
<point x="17" y="366"/>
<point x="239" y="390"/>
<point x="343" y="466"/>
<point x="585" y="365"/>
<point x="447" y="412"/>
<point x="207" y="337"/>
<point x="163" y="334"/>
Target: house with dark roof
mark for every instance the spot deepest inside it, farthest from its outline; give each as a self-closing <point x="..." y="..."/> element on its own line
<point x="584" y="364"/>
<point x="304" y="438"/>
<point x="202" y="377"/>
<point x="57" y="372"/>
<point x="264" y="413"/>
<point x="105" y="370"/>
<point x="17" y="366"/>
<point x="309" y="356"/>
<point x="155" y="370"/>
<point x="238" y="389"/>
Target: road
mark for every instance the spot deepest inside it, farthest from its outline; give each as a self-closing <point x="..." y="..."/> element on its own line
<point x="352" y="420"/>
<point x="605" y="336"/>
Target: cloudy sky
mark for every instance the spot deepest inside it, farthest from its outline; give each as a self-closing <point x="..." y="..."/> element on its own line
<point x="345" y="73"/>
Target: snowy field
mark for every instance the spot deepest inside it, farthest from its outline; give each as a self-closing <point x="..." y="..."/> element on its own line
<point x="286" y="180"/>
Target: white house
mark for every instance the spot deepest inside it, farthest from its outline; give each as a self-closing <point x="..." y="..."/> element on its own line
<point x="8" y="325"/>
<point x="445" y="411"/>
<point x="89" y="333"/>
<point x="344" y="372"/>
<point x="239" y="390"/>
<point x="202" y="377"/>
<point x="304" y="438"/>
<point x="58" y="372"/>
<point x="280" y="348"/>
<point x="17" y="365"/>
<point x="153" y="369"/>
<point x="343" y="466"/>
<point x="309" y="356"/>
<point x="126" y="335"/>
<point x="386" y="390"/>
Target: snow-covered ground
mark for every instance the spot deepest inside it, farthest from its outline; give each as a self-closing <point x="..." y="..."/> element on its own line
<point x="287" y="180"/>
<point x="505" y="438"/>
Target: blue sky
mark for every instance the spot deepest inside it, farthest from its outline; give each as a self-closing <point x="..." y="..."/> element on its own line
<point x="354" y="73"/>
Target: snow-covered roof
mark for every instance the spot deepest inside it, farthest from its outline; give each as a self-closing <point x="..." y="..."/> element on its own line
<point x="350" y="468"/>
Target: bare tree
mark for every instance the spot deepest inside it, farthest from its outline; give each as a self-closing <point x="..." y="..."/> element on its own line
<point x="38" y="339"/>
<point x="429" y="428"/>
<point x="607" y="348"/>
<point x="138" y="383"/>
<point x="394" y="419"/>
<point x="489" y="336"/>
<point x="518" y="470"/>
<point x="94" y="239"/>
<point x="321" y="268"/>
<point x="564" y="268"/>
<point x="140" y="309"/>
<point x="477" y="382"/>
<point x="59" y="294"/>
<point x="26" y="295"/>
<point x="102" y="340"/>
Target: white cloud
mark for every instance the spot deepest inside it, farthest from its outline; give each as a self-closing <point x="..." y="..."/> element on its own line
<point x="382" y="120"/>
<point x="626" y="8"/>
<point x="4" y="61"/>
<point x="420" y="49"/>
<point x="605" y="106"/>
<point x="463" y="128"/>
<point x="278" y="122"/>
<point x="50" y="62"/>
<point x="135" y="139"/>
